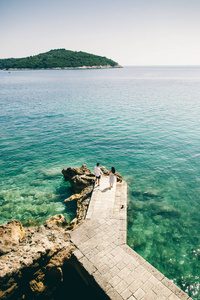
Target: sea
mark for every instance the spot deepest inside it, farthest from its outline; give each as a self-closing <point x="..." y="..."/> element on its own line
<point x="144" y="121"/>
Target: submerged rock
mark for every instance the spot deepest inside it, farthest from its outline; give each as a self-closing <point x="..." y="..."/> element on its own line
<point x="164" y="210"/>
<point x="145" y="196"/>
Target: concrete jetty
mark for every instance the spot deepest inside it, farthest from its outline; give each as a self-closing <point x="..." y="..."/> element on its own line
<point x="106" y="262"/>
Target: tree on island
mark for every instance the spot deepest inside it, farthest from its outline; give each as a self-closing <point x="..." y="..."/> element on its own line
<point x="58" y="58"/>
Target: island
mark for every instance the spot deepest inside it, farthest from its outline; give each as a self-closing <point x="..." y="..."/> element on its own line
<point x="58" y="59"/>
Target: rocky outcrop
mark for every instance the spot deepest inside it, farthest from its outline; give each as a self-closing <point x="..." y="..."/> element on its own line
<point x="35" y="261"/>
<point x="82" y="181"/>
<point x="79" y="178"/>
<point x="38" y="258"/>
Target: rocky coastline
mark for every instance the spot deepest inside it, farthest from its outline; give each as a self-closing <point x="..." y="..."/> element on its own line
<point x="66" y="68"/>
<point x="37" y="262"/>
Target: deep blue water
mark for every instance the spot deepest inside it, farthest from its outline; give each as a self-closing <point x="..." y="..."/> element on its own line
<point x="143" y="121"/>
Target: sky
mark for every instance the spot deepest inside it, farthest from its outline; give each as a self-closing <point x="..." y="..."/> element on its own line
<point x="131" y="32"/>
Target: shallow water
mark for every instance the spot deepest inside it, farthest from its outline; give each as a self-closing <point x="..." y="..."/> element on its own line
<point x="143" y="121"/>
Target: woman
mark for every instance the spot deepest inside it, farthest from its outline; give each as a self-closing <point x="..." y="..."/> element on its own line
<point x="112" y="178"/>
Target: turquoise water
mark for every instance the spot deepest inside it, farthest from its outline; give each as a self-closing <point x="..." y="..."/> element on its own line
<point x="143" y="121"/>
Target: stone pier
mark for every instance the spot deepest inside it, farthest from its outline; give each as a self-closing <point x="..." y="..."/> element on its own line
<point x="103" y="258"/>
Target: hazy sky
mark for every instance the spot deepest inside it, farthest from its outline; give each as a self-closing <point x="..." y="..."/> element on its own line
<point x="131" y="32"/>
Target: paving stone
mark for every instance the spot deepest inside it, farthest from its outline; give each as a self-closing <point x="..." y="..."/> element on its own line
<point x="92" y="253"/>
<point x="150" y="296"/>
<point x="78" y="254"/>
<point x="103" y="269"/>
<point x="140" y="270"/>
<point x="153" y="280"/>
<point x="108" y="276"/>
<point x="174" y="297"/>
<point x="85" y="250"/>
<point x="126" y="294"/>
<point x="114" y="244"/>
<point x="153" y="270"/>
<point x="145" y="276"/>
<point x="87" y="265"/>
<point x="104" y="252"/>
<point x="158" y="288"/>
<point x="128" y="260"/>
<point x="116" y="251"/>
<point x="115" y="280"/>
<point x="132" y="298"/>
<point x="133" y="264"/>
<point x="117" y="258"/>
<point x="114" y="295"/>
<point x="160" y="297"/>
<point x="129" y="279"/>
<point x="139" y="294"/>
<point x="135" y="286"/>
<point x="176" y="290"/>
<point x="104" y="284"/>
<point x="166" y="292"/>
<point x="122" y="237"/>
<point x="147" y="286"/>
<point x="100" y="247"/>
<point x="121" y="286"/>
<point x="114" y="270"/>
<point x="125" y="272"/>
<point x="108" y="254"/>
<point x="121" y="265"/>
<point x="90" y="233"/>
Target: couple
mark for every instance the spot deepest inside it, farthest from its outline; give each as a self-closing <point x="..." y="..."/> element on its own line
<point x="111" y="174"/>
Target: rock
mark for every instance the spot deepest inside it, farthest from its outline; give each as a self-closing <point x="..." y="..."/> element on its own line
<point x="166" y="211"/>
<point x="80" y="182"/>
<point x="145" y="196"/>
<point x="57" y="222"/>
<point x="34" y="267"/>
<point x="8" y="292"/>
<point x="36" y="287"/>
<point x="74" y="222"/>
<point x="53" y="275"/>
<point x="11" y="234"/>
<point x="74" y="197"/>
<point x="119" y="177"/>
<point x="79" y="178"/>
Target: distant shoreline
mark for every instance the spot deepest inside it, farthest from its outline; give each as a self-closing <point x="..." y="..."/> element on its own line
<point x="65" y="68"/>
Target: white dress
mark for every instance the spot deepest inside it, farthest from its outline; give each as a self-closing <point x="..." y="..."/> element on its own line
<point x="112" y="179"/>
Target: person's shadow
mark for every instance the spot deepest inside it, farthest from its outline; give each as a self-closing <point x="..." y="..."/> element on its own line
<point x="105" y="190"/>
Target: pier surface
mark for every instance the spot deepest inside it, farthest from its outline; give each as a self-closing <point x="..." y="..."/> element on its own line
<point x="106" y="260"/>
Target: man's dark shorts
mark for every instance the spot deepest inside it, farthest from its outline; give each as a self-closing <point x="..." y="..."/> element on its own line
<point x="98" y="177"/>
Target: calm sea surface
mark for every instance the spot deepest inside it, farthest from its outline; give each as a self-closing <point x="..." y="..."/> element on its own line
<point x="143" y="121"/>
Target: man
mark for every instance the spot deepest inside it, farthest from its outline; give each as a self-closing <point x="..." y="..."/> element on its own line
<point x="98" y="173"/>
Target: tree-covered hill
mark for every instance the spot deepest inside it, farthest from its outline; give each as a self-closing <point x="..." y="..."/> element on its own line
<point x="59" y="58"/>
